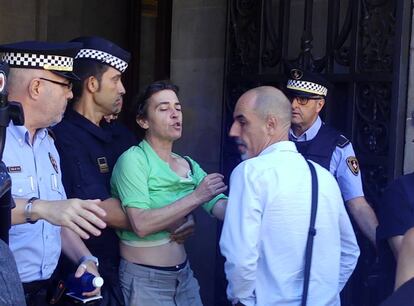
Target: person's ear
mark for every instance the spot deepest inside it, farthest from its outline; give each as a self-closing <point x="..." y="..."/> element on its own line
<point x="142" y="122"/>
<point x="92" y="84"/>
<point x="271" y="124"/>
<point x="319" y="105"/>
<point x="34" y="88"/>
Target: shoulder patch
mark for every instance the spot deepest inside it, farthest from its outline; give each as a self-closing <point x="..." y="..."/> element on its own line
<point x="353" y="165"/>
<point x="342" y="141"/>
<point x="53" y="162"/>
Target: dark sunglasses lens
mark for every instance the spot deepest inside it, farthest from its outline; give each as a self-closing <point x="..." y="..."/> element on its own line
<point x="299" y="100"/>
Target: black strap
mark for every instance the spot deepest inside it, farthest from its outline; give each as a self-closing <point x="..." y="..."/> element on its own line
<point x="189" y="163"/>
<point x="311" y="233"/>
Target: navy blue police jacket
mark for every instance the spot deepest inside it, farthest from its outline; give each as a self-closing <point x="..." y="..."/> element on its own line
<point x="321" y="148"/>
<point x="88" y="154"/>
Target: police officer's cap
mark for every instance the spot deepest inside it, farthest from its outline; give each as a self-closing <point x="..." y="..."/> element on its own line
<point x="103" y="51"/>
<point x="54" y="57"/>
<point x="306" y="84"/>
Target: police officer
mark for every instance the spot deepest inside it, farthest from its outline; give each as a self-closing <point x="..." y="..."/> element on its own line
<point x="89" y="146"/>
<point x="90" y="141"/>
<point x="317" y="141"/>
<point x="40" y="79"/>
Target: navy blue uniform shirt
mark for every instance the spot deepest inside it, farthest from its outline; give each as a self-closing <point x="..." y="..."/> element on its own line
<point x="396" y="210"/>
<point x="88" y="154"/>
<point x="395" y="216"/>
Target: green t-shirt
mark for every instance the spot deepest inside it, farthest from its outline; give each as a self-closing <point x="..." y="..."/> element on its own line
<point x="141" y="179"/>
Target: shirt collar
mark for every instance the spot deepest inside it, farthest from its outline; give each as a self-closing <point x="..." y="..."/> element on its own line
<point x="101" y="132"/>
<point x="21" y="133"/>
<point x="309" y="133"/>
<point x="280" y="146"/>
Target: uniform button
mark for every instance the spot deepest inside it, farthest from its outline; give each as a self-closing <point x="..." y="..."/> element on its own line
<point x="78" y="186"/>
<point x="40" y="179"/>
<point x="20" y="190"/>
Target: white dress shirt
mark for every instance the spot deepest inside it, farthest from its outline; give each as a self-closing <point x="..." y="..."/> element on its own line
<point x="265" y="232"/>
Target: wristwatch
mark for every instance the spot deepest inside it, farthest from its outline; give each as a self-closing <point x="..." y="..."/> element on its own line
<point x="89" y="258"/>
<point x="28" y="210"/>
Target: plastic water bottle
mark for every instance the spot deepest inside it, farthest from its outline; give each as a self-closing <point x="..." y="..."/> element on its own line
<point x="86" y="283"/>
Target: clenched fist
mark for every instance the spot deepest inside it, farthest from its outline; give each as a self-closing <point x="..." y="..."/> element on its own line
<point x="209" y="187"/>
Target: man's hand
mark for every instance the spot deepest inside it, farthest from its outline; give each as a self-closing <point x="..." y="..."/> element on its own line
<point x="90" y="267"/>
<point x="209" y="187"/>
<point x="185" y="230"/>
<point x="81" y="216"/>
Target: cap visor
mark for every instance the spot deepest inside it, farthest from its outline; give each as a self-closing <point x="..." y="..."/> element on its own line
<point x="67" y="75"/>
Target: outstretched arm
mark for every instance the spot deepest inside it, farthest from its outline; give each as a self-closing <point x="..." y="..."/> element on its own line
<point x="115" y="216"/>
<point x="81" y="216"/>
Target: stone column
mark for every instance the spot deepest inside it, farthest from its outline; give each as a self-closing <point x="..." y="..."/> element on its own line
<point x="197" y="67"/>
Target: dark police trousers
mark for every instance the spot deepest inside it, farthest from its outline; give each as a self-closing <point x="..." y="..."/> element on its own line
<point x="35" y="292"/>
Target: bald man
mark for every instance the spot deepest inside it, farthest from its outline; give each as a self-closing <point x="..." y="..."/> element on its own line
<point x="267" y="219"/>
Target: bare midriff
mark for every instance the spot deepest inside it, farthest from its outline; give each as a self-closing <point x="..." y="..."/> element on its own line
<point x="165" y="255"/>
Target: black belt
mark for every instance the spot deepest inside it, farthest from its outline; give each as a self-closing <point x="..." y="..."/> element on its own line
<point x="35" y="286"/>
<point x="170" y="268"/>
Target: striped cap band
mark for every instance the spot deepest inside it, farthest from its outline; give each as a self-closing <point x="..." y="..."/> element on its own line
<point x="308" y="87"/>
<point x="32" y="60"/>
<point x="103" y="57"/>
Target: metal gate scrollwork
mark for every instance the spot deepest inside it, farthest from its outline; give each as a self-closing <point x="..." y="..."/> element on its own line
<point x="356" y="44"/>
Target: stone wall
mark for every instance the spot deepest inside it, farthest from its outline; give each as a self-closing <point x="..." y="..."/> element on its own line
<point x="197" y="66"/>
<point x="21" y="20"/>
<point x="60" y="20"/>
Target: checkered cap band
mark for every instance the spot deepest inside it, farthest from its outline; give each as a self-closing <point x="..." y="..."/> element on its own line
<point x="31" y="60"/>
<point x="306" y="86"/>
<point x="103" y="57"/>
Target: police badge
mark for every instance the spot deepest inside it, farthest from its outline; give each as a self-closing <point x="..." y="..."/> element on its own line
<point x="353" y="164"/>
<point x="54" y="163"/>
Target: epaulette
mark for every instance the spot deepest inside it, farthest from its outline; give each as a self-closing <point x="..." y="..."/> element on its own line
<point x="342" y="141"/>
<point x="51" y="133"/>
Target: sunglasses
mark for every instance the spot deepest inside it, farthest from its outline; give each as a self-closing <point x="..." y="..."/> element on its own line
<point x="67" y="85"/>
<point x="303" y="100"/>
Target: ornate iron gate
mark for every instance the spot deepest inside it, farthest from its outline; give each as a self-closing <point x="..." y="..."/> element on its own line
<point x="360" y="46"/>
